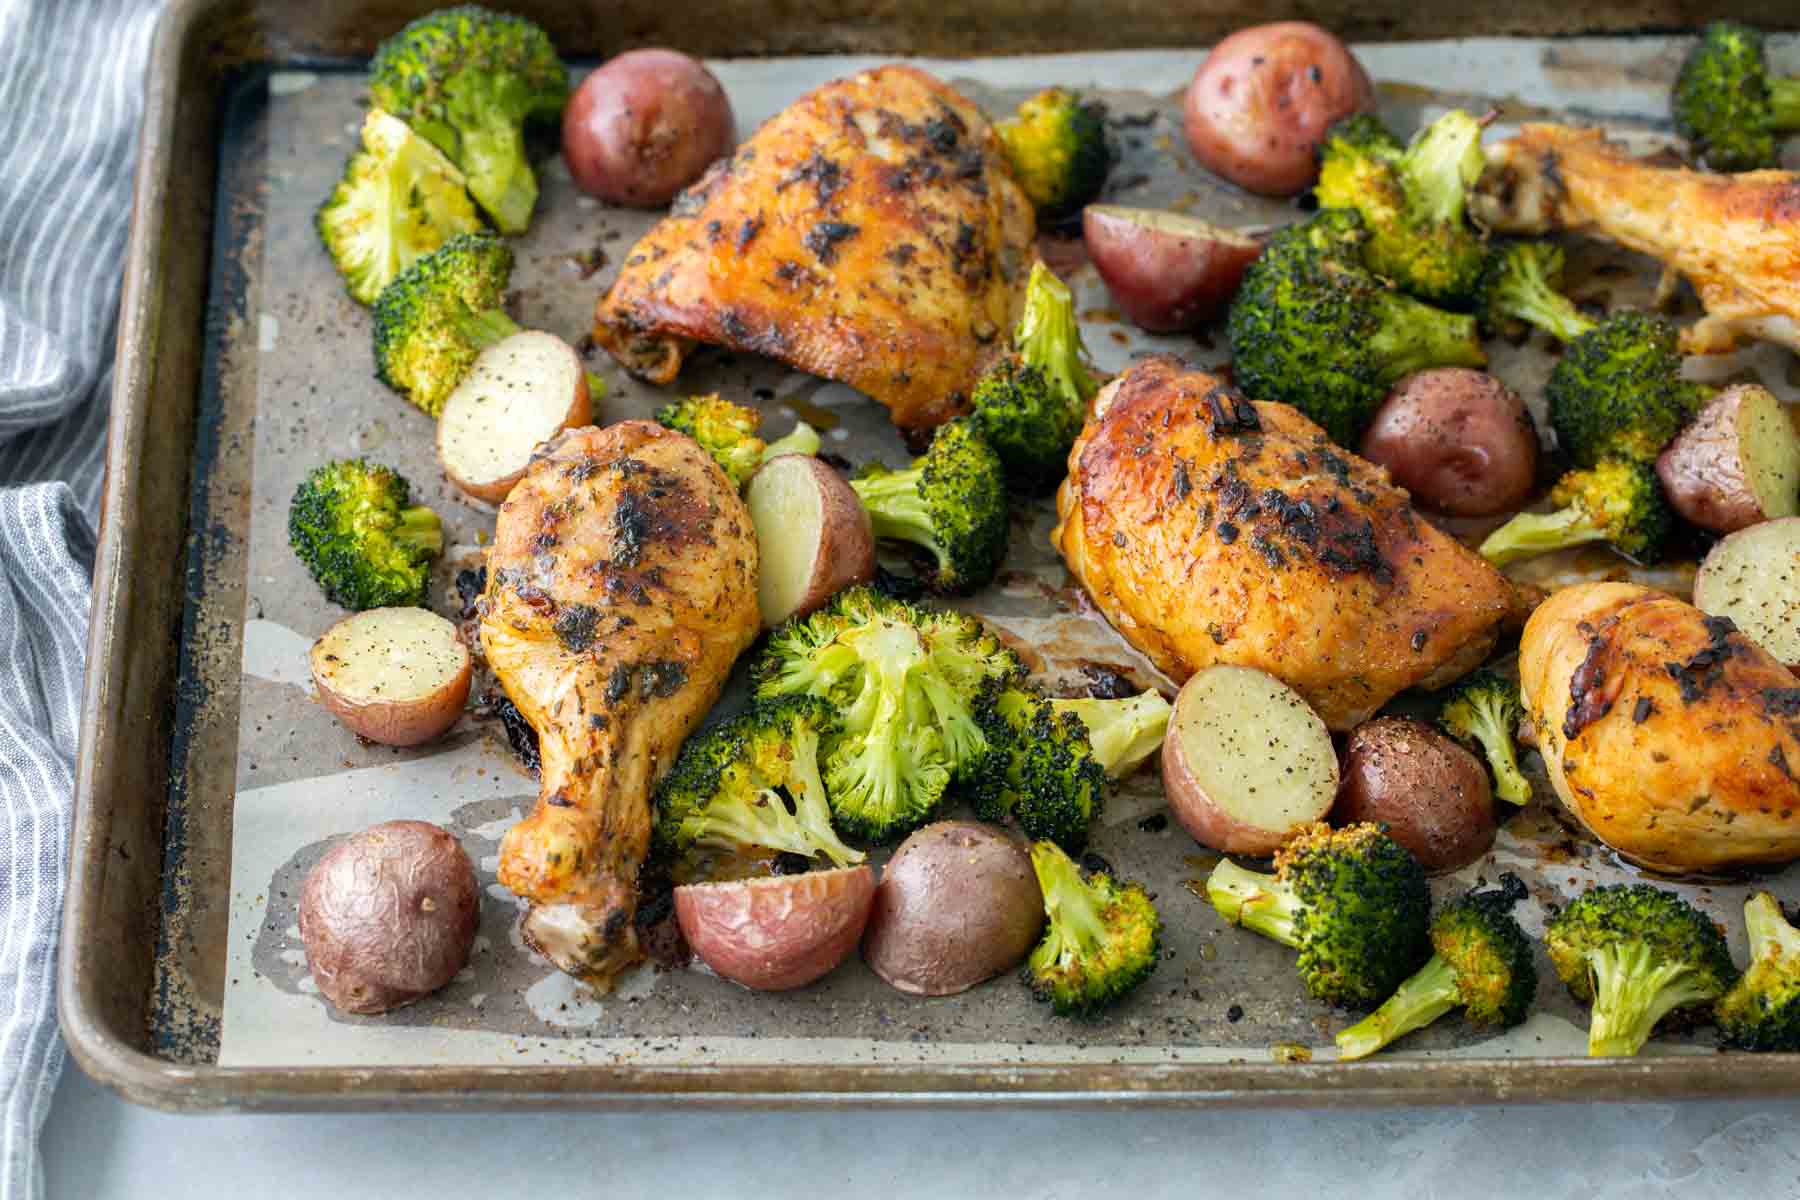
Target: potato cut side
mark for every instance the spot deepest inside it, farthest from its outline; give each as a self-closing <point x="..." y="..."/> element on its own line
<point x="398" y="676"/>
<point x="1753" y="577"/>
<point x="520" y="392"/>
<point x="813" y="534"/>
<point x="1770" y="450"/>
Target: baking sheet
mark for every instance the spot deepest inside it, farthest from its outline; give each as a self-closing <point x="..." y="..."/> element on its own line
<point x="302" y="780"/>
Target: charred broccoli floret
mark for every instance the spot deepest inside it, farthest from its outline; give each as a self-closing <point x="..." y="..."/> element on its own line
<point x="1102" y="940"/>
<point x="1484" y="709"/>
<point x="1030" y="404"/>
<point x="1618" y="502"/>
<point x="1481" y="962"/>
<point x="1311" y="328"/>
<point x="753" y="783"/>
<point x="1762" y="1009"/>
<point x="441" y="312"/>
<point x="468" y="80"/>
<point x="353" y="524"/>
<point x="1353" y="901"/>
<point x="1637" y="953"/>
<point x="1727" y="105"/>
<point x="951" y="503"/>
<point x="1617" y="391"/>
<point x="1519" y="284"/>
<point x="727" y="431"/>
<point x="399" y="199"/>
<point x="1056" y="144"/>
<point x="903" y="681"/>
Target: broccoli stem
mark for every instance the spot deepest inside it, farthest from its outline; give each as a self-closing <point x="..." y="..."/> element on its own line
<point x="897" y="511"/>
<point x="1422" y="999"/>
<point x="1632" y="992"/>
<point x="1770" y="934"/>
<point x="493" y="158"/>
<point x="1531" y="534"/>
<point x="1496" y="741"/>
<point x="1049" y="338"/>
<point x="1255" y="901"/>
<point x="1075" y="922"/>
<point x="1529" y="297"/>
<point x="419" y="530"/>
<point x="1412" y="336"/>
<point x="1442" y="165"/>
<point x="804" y="440"/>
<point x="1784" y="103"/>
<point x="1121" y="733"/>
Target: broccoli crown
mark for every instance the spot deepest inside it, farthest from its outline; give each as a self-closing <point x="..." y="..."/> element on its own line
<point x="1637" y="953"/>
<point x="440" y="313"/>
<point x="903" y="681"/>
<point x="1311" y="328"/>
<point x="1102" y="940"/>
<point x="399" y="199"/>
<point x="1726" y="104"/>
<point x="468" y="79"/>
<point x="753" y="783"/>
<point x="1484" y="708"/>
<point x="1041" y="771"/>
<point x="1056" y="144"/>
<point x="951" y="502"/>
<point x="352" y="524"/>
<point x="724" y="429"/>
<point x="1519" y="282"/>
<point x="1353" y="901"/>
<point x="1762" y="1009"/>
<point x="1618" y="502"/>
<point x="1363" y="132"/>
<point x="1617" y="391"/>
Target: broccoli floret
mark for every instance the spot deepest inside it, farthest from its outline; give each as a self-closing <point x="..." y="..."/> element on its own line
<point x="353" y="525"/>
<point x="1030" y="404"/>
<point x="1637" y="953"/>
<point x="1056" y="143"/>
<point x="441" y="312"/>
<point x="1359" y="132"/>
<point x="1762" y="1010"/>
<point x="727" y="431"/>
<point x="753" y="783"/>
<point x="951" y="502"/>
<point x="1311" y="328"/>
<point x="1519" y="283"/>
<point x="1103" y="938"/>
<point x="1353" y="901"/>
<point x="1124" y="732"/>
<point x="1481" y="962"/>
<point x="1484" y="709"/>
<point x="468" y="80"/>
<point x="1727" y="105"/>
<point x="1618" y="502"/>
<point x="1617" y="391"/>
<point x="904" y="682"/>
<point x="399" y="199"/>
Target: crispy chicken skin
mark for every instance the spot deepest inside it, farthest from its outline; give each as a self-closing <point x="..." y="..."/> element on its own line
<point x="1669" y="734"/>
<point x="1212" y="529"/>
<point x="1735" y="237"/>
<point x="621" y="588"/>
<point x="871" y="233"/>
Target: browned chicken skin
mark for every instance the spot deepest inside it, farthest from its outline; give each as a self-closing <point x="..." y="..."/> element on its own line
<point x="621" y="588"/>
<point x="1212" y="529"/>
<point x="870" y="233"/>
<point x="1735" y="237"/>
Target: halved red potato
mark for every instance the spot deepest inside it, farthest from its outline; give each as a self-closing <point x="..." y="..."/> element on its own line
<point x="1753" y="577"/>
<point x="520" y="392"/>
<point x="1246" y="761"/>
<point x="398" y="676"/>
<point x="1166" y="271"/>
<point x="813" y="533"/>
<point x="1737" y="464"/>
<point x="777" y="931"/>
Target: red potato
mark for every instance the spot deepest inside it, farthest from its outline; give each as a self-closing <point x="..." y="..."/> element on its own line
<point x="1753" y="577"/>
<point x="778" y="931"/>
<point x="1459" y="440"/>
<point x="644" y="125"/>
<point x="1737" y="464"/>
<point x="1246" y="761"/>
<point x="1432" y="794"/>
<point x="1167" y="272"/>
<point x="389" y="915"/>
<point x="1259" y="105"/>
<point x="813" y="532"/>
<point x="520" y="392"/>
<point x="398" y="676"/>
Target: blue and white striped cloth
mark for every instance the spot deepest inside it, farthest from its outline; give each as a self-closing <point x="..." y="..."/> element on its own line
<point x="71" y="94"/>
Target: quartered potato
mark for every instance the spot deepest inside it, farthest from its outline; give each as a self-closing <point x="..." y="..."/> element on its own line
<point x="813" y="532"/>
<point x="521" y="391"/>
<point x="1737" y="464"/>
<point x="398" y="676"/>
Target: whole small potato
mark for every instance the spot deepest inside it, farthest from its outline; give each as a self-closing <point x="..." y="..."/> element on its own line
<point x="958" y="903"/>
<point x="388" y="915"/>
<point x="1260" y="103"/>
<point x="1459" y="440"/>
<point x="1432" y="794"/>
<point x="645" y="125"/>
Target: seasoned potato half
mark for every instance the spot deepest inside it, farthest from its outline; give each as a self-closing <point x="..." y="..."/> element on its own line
<point x="521" y="391"/>
<point x="1737" y="464"/>
<point x="813" y="533"/>
<point x="1753" y="577"/>
<point x="779" y="931"/>
<point x="398" y="676"/>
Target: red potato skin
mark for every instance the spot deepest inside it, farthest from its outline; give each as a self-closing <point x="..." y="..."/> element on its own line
<point x="1162" y="280"/>
<point x="645" y="125"/>
<point x="779" y="931"/>
<point x="1702" y="474"/>
<point x="1431" y="793"/>
<point x="1260" y="103"/>
<point x="1460" y="441"/>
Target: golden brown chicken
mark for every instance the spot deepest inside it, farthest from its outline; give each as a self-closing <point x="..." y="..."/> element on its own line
<point x="1665" y="731"/>
<point x="871" y="233"/>
<point x="1212" y="529"/>
<point x="621" y="587"/>
<point x="1735" y="237"/>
